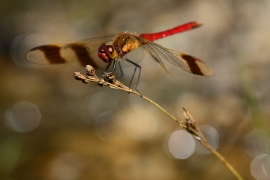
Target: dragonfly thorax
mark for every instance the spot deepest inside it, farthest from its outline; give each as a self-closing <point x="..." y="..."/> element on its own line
<point x="107" y="53"/>
<point x="125" y="43"/>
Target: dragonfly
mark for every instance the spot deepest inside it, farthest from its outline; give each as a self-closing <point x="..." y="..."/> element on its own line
<point x="112" y="48"/>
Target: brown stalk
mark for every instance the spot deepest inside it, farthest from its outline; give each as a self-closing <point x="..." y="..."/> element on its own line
<point x="189" y="125"/>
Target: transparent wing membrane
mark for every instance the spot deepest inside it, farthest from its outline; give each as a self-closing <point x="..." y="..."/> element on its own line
<point x="187" y="62"/>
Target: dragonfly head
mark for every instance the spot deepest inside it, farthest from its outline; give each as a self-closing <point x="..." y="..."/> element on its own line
<point x="107" y="53"/>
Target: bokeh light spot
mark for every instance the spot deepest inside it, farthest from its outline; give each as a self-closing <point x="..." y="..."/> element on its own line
<point x="256" y="142"/>
<point x="212" y="137"/>
<point x="94" y="105"/>
<point x="181" y="144"/>
<point x="109" y="125"/>
<point x="21" y="45"/>
<point x="23" y="117"/>
<point x="260" y="167"/>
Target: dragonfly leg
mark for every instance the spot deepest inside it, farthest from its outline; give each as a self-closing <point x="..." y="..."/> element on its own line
<point x="136" y="66"/>
<point x="121" y="70"/>
<point x="108" y="66"/>
<point x="103" y="75"/>
<point x="114" y="65"/>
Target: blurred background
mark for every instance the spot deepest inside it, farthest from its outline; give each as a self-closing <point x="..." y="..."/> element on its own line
<point x="56" y="128"/>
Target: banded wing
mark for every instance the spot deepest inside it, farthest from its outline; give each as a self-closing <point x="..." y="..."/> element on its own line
<point x="187" y="62"/>
<point x="82" y="52"/>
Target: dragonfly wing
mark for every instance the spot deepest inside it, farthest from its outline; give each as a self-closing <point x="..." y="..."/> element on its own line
<point x="83" y="52"/>
<point x="187" y="62"/>
<point x="156" y="54"/>
<point x="192" y="64"/>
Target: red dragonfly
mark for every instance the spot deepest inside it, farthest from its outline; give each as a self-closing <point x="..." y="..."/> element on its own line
<point x="113" y="47"/>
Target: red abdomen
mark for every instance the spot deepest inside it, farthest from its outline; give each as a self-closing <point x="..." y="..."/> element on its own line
<point x="178" y="29"/>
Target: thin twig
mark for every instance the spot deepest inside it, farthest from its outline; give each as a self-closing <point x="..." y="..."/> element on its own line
<point x="189" y="125"/>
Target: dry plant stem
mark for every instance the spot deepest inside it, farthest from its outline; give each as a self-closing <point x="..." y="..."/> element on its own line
<point x="166" y="112"/>
<point x="195" y="130"/>
<point x="190" y="124"/>
<point x="222" y="159"/>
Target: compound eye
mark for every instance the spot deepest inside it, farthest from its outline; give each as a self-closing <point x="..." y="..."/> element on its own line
<point x="111" y="52"/>
<point x="102" y="53"/>
<point x="107" y="53"/>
